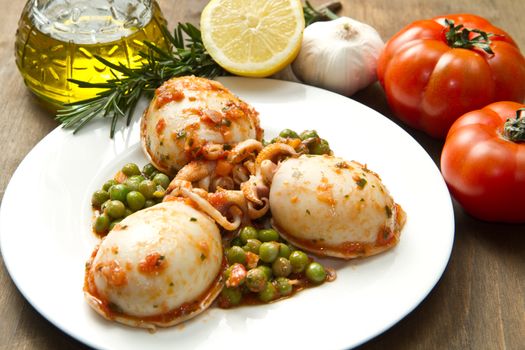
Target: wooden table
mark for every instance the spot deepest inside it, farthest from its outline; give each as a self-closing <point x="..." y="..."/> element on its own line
<point x="479" y="303"/>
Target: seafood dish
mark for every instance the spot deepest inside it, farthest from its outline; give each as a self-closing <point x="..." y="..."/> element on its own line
<point x="222" y="214"/>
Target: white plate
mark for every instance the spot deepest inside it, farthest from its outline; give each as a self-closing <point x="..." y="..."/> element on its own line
<point x="46" y="238"/>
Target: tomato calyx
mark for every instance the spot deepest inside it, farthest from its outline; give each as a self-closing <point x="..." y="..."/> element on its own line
<point x="457" y="36"/>
<point x="514" y="128"/>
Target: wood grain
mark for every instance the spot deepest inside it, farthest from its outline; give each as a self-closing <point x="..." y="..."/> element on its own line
<point x="479" y="303"/>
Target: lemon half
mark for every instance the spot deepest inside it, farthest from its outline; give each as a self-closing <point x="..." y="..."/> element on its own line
<point x="253" y="38"/>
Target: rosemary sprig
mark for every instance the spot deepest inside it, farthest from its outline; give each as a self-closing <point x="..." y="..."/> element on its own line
<point x="187" y="56"/>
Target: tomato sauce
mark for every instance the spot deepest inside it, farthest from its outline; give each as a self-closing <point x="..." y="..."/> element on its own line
<point x="167" y="93"/>
<point x="386" y="237"/>
<point x="152" y="263"/>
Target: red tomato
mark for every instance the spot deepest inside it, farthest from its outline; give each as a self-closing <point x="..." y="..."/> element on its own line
<point x="483" y="168"/>
<point x="430" y="82"/>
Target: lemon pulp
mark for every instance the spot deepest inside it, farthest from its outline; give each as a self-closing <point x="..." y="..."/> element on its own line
<point x="254" y="38"/>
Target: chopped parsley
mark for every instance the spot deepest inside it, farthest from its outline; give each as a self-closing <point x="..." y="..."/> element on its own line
<point x="158" y="262"/>
<point x="192" y="219"/>
<point x="361" y="182"/>
<point x="181" y="134"/>
<point x="341" y="165"/>
<point x="296" y="174"/>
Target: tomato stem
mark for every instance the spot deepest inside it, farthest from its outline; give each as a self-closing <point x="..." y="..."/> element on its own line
<point x="514" y="128"/>
<point x="458" y="36"/>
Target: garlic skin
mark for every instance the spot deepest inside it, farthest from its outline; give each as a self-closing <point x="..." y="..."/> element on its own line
<point x="339" y="55"/>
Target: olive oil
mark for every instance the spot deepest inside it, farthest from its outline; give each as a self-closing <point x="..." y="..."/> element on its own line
<point x="57" y="40"/>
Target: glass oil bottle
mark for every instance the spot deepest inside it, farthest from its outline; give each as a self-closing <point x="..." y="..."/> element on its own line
<point x="57" y="40"/>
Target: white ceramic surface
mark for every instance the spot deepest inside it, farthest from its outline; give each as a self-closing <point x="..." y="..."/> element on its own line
<point x="45" y="234"/>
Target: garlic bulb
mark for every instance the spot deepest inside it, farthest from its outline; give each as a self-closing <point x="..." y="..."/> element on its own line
<point x="339" y="55"/>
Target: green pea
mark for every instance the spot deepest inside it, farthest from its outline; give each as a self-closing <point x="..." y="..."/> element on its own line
<point x="269" y="293"/>
<point x="135" y="200"/>
<point x="267" y="271"/>
<point x="99" y="197"/>
<point x="247" y="232"/>
<point x="298" y="260"/>
<point x="288" y="133"/>
<point x="308" y="134"/>
<point x="236" y="254"/>
<point x="162" y="180"/>
<point x="236" y="241"/>
<point x="253" y="245"/>
<point x="284" y="250"/>
<point x="256" y="280"/>
<point x="321" y="147"/>
<point x="149" y="203"/>
<point x="281" y="267"/>
<point x="148" y="169"/>
<point x="108" y="184"/>
<point x="268" y="235"/>
<point x="118" y="192"/>
<point x="133" y="182"/>
<point x="101" y="224"/>
<point x="113" y="223"/>
<point x="315" y="273"/>
<point x="283" y="285"/>
<point x="147" y="188"/>
<point x="116" y="209"/>
<point x="233" y="296"/>
<point x="268" y="251"/>
<point x="128" y="212"/>
<point x="131" y="169"/>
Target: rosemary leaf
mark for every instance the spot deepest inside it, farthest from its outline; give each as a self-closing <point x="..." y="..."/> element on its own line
<point x="186" y="56"/>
